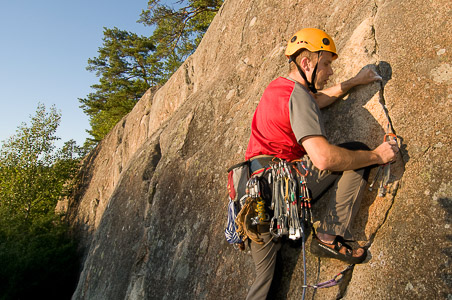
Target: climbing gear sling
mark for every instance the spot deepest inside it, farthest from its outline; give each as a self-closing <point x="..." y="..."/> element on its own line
<point x="238" y="176"/>
<point x="332" y="282"/>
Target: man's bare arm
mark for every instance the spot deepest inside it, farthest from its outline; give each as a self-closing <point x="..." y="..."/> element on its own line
<point x="330" y="157"/>
<point x="328" y="96"/>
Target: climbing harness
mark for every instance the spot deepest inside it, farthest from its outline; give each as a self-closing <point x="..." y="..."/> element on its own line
<point x="290" y="203"/>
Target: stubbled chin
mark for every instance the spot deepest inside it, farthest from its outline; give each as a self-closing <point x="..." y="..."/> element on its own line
<point x="320" y="86"/>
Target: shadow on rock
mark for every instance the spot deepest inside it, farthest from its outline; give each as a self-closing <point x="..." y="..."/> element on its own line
<point x="444" y="269"/>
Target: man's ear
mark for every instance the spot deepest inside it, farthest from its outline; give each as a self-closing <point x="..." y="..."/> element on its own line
<point x="305" y="64"/>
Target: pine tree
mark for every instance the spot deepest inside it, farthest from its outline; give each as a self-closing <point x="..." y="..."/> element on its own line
<point x="129" y="64"/>
<point x="126" y="69"/>
<point x="179" y="29"/>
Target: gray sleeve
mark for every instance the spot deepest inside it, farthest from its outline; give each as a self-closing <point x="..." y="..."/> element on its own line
<point x="305" y="115"/>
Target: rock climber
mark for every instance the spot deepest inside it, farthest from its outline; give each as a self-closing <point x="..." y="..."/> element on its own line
<point x="288" y="124"/>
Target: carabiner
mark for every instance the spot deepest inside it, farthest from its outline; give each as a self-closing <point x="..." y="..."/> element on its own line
<point x="389" y="137"/>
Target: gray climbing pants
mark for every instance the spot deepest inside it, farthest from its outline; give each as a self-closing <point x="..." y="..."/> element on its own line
<point x="347" y="189"/>
<point x="264" y="257"/>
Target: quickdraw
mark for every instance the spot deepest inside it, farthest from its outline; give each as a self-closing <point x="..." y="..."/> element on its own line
<point x="254" y="192"/>
<point x="384" y="170"/>
<point x="305" y="198"/>
<point x="286" y="219"/>
<point x="278" y="205"/>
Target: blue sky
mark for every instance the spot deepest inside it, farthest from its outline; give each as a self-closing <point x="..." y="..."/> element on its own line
<point x="44" y="50"/>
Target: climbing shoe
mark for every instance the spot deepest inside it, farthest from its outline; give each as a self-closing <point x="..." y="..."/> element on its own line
<point x="338" y="250"/>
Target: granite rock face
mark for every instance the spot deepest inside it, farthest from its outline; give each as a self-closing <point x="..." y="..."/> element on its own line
<point x="151" y="204"/>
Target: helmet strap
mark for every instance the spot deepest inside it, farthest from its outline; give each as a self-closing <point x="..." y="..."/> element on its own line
<point x="311" y="84"/>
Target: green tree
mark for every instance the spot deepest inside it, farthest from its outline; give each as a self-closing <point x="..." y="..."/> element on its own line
<point x="178" y="30"/>
<point x="126" y="70"/>
<point x="129" y="64"/>
<point x="37" y="256"/>
<point x="33" y="173"/>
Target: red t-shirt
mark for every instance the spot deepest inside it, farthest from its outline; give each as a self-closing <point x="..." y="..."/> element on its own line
<point x="286" y="113"/>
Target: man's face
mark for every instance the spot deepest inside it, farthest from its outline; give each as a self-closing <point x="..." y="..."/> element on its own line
<point x="324" y="69"/>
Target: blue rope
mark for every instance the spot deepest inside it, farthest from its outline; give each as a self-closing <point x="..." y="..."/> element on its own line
<point x="305" y="273"/>
<point x="231" y="228"/>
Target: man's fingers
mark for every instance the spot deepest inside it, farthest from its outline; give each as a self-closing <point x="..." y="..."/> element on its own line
<point x="394" y="146"/>
<point x="392" y="142"/>
<point x="369" y="75"/>
<point x="374" y="75"/>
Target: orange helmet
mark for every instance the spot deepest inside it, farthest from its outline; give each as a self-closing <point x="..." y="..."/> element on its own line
<point x="312" y="39"/>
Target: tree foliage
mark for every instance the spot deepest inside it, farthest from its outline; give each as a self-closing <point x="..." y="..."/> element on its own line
<point x="179" y="29"/>
<point x="33" y="174"/>
<point x="38" y="260"/>
<point x="128" y="64"/>
<point x="37" y="256"/>
<point x="126" y="69"/>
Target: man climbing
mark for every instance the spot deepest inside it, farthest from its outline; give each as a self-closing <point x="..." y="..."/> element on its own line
<point x="288" y="124"/>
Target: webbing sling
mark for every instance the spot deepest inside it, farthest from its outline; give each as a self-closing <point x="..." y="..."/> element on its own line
<point x="231" y="228"/>
<point x="332" y="282"/>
